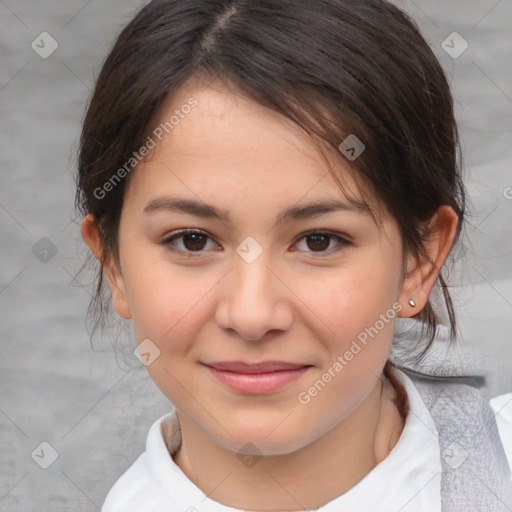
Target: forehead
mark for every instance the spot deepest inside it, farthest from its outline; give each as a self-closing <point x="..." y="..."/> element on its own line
<point x="225" y="126"/>
<point x="230" y="146"/>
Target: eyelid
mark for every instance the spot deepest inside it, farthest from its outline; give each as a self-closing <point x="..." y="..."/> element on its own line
<point x="178" y="234"/>
<point x="343" y="241"/>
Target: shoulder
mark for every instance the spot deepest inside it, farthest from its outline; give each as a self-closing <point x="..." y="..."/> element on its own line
<point x="139" y="487"/>
<point x="475" y="453"/>
<point x="502" y="408"/>
<point x="134" y="490"/>
<point x="458" y="409"/>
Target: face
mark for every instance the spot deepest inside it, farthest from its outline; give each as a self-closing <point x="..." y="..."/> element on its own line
<point x="313" y="289"/>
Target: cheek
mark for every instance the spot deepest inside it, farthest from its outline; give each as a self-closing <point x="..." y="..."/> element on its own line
<point x="170" y="307"/>
<point x="357" y="310"/>
<point x="167" y="303"/>
<point x="347" y="303"/>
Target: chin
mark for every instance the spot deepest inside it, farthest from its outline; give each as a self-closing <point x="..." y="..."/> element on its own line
<point x="262" y="440"/>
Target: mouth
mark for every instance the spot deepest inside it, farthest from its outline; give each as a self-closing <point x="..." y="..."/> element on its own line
<point x="256" y="378"/>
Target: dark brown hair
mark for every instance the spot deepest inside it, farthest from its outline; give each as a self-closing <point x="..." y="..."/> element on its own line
<point x="334" y="67"/>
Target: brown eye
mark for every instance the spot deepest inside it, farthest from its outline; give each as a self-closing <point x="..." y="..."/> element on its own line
<point x="194" y="241"/>
<point x="318" y="242"/>
<point x="188" y="242"/>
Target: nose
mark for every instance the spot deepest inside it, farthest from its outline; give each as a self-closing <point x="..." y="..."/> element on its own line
<point x="254" y="300"/>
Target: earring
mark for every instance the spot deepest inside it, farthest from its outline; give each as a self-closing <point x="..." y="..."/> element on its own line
<point x="412" y="303"/>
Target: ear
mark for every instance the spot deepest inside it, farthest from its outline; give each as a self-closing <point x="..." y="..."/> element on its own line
<point x="422" y="272"/>
<point x="113" y="275"/>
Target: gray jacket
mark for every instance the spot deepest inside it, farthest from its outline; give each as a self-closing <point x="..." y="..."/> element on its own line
<point x="475" y="471"/>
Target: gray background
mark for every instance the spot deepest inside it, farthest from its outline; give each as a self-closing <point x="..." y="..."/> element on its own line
<point x="95" y="411"/>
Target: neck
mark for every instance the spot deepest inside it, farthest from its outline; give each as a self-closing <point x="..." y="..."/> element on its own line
<point x="305" y="479"/>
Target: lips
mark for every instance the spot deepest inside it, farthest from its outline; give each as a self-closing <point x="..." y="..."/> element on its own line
<point x="256" y="378"/>
<point x="264" y="367"/>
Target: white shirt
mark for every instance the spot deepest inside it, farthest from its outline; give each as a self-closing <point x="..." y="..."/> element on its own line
<point x="407" y="480"/>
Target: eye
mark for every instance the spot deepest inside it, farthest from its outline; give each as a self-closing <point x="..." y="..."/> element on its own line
<point x="320" y="241"/>
<point x="190" y="240"/>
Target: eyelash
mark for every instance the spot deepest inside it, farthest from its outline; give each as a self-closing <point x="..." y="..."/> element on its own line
<point x="343" y="242"/>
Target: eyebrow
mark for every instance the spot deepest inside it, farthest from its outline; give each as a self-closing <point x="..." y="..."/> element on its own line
<point x="294" y="213"/>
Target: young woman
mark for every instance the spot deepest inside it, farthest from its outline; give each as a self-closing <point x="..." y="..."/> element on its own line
<point x="268" y="185"/>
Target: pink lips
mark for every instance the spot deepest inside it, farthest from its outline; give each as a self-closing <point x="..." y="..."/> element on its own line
<point x="257" y="378"/>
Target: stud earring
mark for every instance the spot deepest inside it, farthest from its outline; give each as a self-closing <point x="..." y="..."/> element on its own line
<point x="412" y="303"/>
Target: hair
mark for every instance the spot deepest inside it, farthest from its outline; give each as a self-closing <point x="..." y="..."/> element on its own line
<point x="333" y="67"/>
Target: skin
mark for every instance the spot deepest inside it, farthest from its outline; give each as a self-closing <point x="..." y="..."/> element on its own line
<point x="290" y="304"/>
